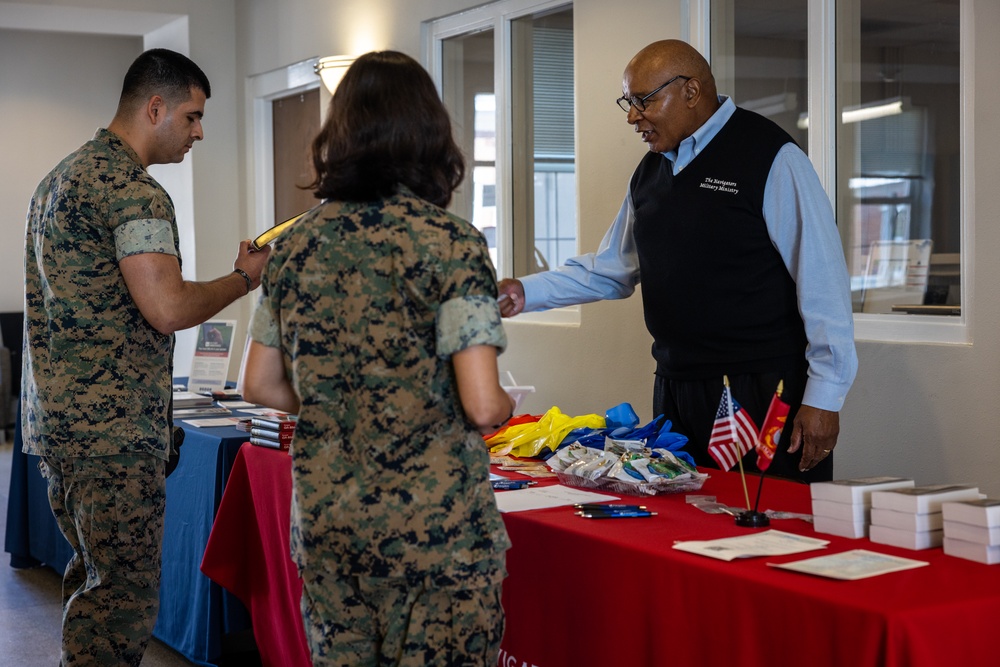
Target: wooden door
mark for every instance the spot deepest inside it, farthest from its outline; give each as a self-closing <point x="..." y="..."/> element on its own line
<point x="296" y="121"/>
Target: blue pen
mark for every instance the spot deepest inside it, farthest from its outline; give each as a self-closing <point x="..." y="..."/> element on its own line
<point x="510" y="484"/>
<point x="608" y="507"/>
<point x="621" y="514"/>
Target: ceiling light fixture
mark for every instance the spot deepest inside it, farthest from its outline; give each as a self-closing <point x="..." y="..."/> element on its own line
<point x="867" y="111"/>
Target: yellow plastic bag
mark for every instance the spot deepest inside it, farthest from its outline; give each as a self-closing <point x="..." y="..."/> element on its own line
<point x="527" y="440"/>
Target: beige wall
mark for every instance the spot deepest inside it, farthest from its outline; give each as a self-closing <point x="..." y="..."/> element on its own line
<point x="61" y="68"/>
<point x="45" y="117"/>
<point x="928" y="411"/>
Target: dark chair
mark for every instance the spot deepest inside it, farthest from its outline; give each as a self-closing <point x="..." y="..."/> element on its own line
<point x="12" y="334"/>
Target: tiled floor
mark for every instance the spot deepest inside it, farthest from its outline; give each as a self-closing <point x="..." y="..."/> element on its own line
<point x="30" y="606"/>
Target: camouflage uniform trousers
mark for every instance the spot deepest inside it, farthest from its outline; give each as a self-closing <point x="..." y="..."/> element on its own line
<point x="110" y="508"/>
<point x="367" y="621"/>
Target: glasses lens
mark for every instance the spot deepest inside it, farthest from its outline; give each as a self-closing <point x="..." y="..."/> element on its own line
<point x="627" y="102"/>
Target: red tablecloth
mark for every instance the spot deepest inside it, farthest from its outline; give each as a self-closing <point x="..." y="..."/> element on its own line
<point x="248" y="553"/>
<point x="614" y="592"/>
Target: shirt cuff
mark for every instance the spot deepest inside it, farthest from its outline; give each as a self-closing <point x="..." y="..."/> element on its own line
<point x="825" y="395"/>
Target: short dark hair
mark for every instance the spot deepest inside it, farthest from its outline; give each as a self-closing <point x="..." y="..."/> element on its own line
<point x="386" y="127"/>
<point x="162" y="72"/>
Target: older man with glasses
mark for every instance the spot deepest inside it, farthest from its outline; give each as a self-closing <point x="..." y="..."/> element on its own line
<point x="726" y="225"/>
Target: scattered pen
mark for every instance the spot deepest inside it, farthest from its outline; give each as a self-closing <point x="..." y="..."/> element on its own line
<point x="608" y="506"/>
<point x="616" y="515"/>
<point x="511" y="484"/>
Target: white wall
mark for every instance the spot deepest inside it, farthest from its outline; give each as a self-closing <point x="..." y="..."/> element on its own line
<point x="61" y="69"/>
<point x="928" y="411"/>
<point x="45" y="118"/>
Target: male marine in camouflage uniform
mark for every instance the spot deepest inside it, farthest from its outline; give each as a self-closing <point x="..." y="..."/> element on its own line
<point x="368" y="302"/>
<point x="103" y="296"/>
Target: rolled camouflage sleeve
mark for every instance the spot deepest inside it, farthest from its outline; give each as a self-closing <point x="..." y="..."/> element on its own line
<point x="467" y="321"/>
<point x="263" y="327"/>
<point x="147" y="235"/>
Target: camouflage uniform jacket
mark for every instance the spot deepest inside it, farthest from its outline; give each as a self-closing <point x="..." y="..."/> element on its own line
<point x="367" y="302"/>
<point x="97" y="376"/>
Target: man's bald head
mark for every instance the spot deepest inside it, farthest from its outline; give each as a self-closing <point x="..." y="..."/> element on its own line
<point x="672" y="56"/>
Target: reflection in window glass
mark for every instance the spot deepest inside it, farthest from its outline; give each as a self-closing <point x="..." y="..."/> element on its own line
<point x="520" y="189"/>
<point x="898" y="153"/>
<point x="467" y="70"/>
<point x="897" y="130"/>
<point x="543" y="155"/>
<point x="759" y="58"/>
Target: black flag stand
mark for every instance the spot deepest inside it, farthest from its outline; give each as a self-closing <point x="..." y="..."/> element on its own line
<point x="753" y="518"/>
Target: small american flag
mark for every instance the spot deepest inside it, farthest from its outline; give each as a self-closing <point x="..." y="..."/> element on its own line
<point x="733" y="434"/>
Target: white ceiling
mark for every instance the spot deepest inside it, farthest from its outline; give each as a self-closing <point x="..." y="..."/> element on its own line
<point x="51" y="18"/>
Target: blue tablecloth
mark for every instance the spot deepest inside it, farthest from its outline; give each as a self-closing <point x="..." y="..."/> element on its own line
<point x="195" y="612"/>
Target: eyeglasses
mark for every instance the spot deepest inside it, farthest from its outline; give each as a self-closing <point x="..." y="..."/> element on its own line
<point x="639" y="103"/>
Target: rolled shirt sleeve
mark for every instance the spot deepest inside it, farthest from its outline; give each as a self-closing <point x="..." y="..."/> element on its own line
<point x="466" y="321"/>
<point x="144" y="235"/>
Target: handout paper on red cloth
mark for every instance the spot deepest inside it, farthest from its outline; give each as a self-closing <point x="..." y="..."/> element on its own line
<point x="766" y="543"/>
<point x="544" y="497"/>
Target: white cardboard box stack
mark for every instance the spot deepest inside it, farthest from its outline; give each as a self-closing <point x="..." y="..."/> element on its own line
<point x="972" y="530"/>
<point x="912" y="517"/>
<point x="842" y="507"/>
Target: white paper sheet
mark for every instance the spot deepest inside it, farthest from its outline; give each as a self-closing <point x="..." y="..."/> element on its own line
<point x="535" y="498"/>
<point x="766" y="543"/>
<point x="851" y="565"/>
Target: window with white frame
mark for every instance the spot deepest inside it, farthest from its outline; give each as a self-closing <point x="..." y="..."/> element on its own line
<point x="505" y="71"/>
<point x="872" y="90"/>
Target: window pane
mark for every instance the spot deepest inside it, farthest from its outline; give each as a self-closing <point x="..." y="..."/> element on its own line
<point x="898" y="161"/>
<point x="468" y="93"/>
<point x="544" y="156"/>
<point x="759" y="57"/>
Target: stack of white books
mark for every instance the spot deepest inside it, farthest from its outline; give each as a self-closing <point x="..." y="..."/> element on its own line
<point x="189" y="399"/>
<point x="972" y="530"/>
<point x="842" y="507"/>
<point x="911" y="518"/>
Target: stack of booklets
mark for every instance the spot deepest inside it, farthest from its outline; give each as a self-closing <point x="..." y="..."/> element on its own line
<point x="843" y="507"/>
<point x="189" y="399"/>
<point x="190" y="404"/>
<point x="972" y="530"/>
<point x="911" y="518"/>
<point x="275" y="432"/>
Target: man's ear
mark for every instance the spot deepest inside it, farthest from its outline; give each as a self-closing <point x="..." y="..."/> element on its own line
<point x="155" y="109"/>
<point x="692" y="92"/>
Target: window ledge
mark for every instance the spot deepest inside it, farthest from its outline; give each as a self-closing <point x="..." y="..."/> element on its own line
<point x="567" y="317"/>
<point x="903" y="328"/>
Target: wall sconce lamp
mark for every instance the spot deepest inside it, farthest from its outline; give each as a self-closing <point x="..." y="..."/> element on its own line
<point x="331" y="70"/>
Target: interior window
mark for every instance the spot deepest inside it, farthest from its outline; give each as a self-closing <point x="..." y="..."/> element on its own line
<point x="515" y="125"/>
<point x="897" y="182"/>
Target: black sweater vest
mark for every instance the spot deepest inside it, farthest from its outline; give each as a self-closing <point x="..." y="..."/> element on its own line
<point x="716" y="295"/>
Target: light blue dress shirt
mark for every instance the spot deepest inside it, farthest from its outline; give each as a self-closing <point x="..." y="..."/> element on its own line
<point x="802" y="228"/>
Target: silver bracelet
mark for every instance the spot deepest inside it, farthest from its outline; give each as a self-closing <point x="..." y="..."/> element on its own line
<point x="246" y="277"/>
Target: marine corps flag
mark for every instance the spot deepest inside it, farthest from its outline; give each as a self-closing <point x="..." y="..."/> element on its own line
<point x="770" y="431"/>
